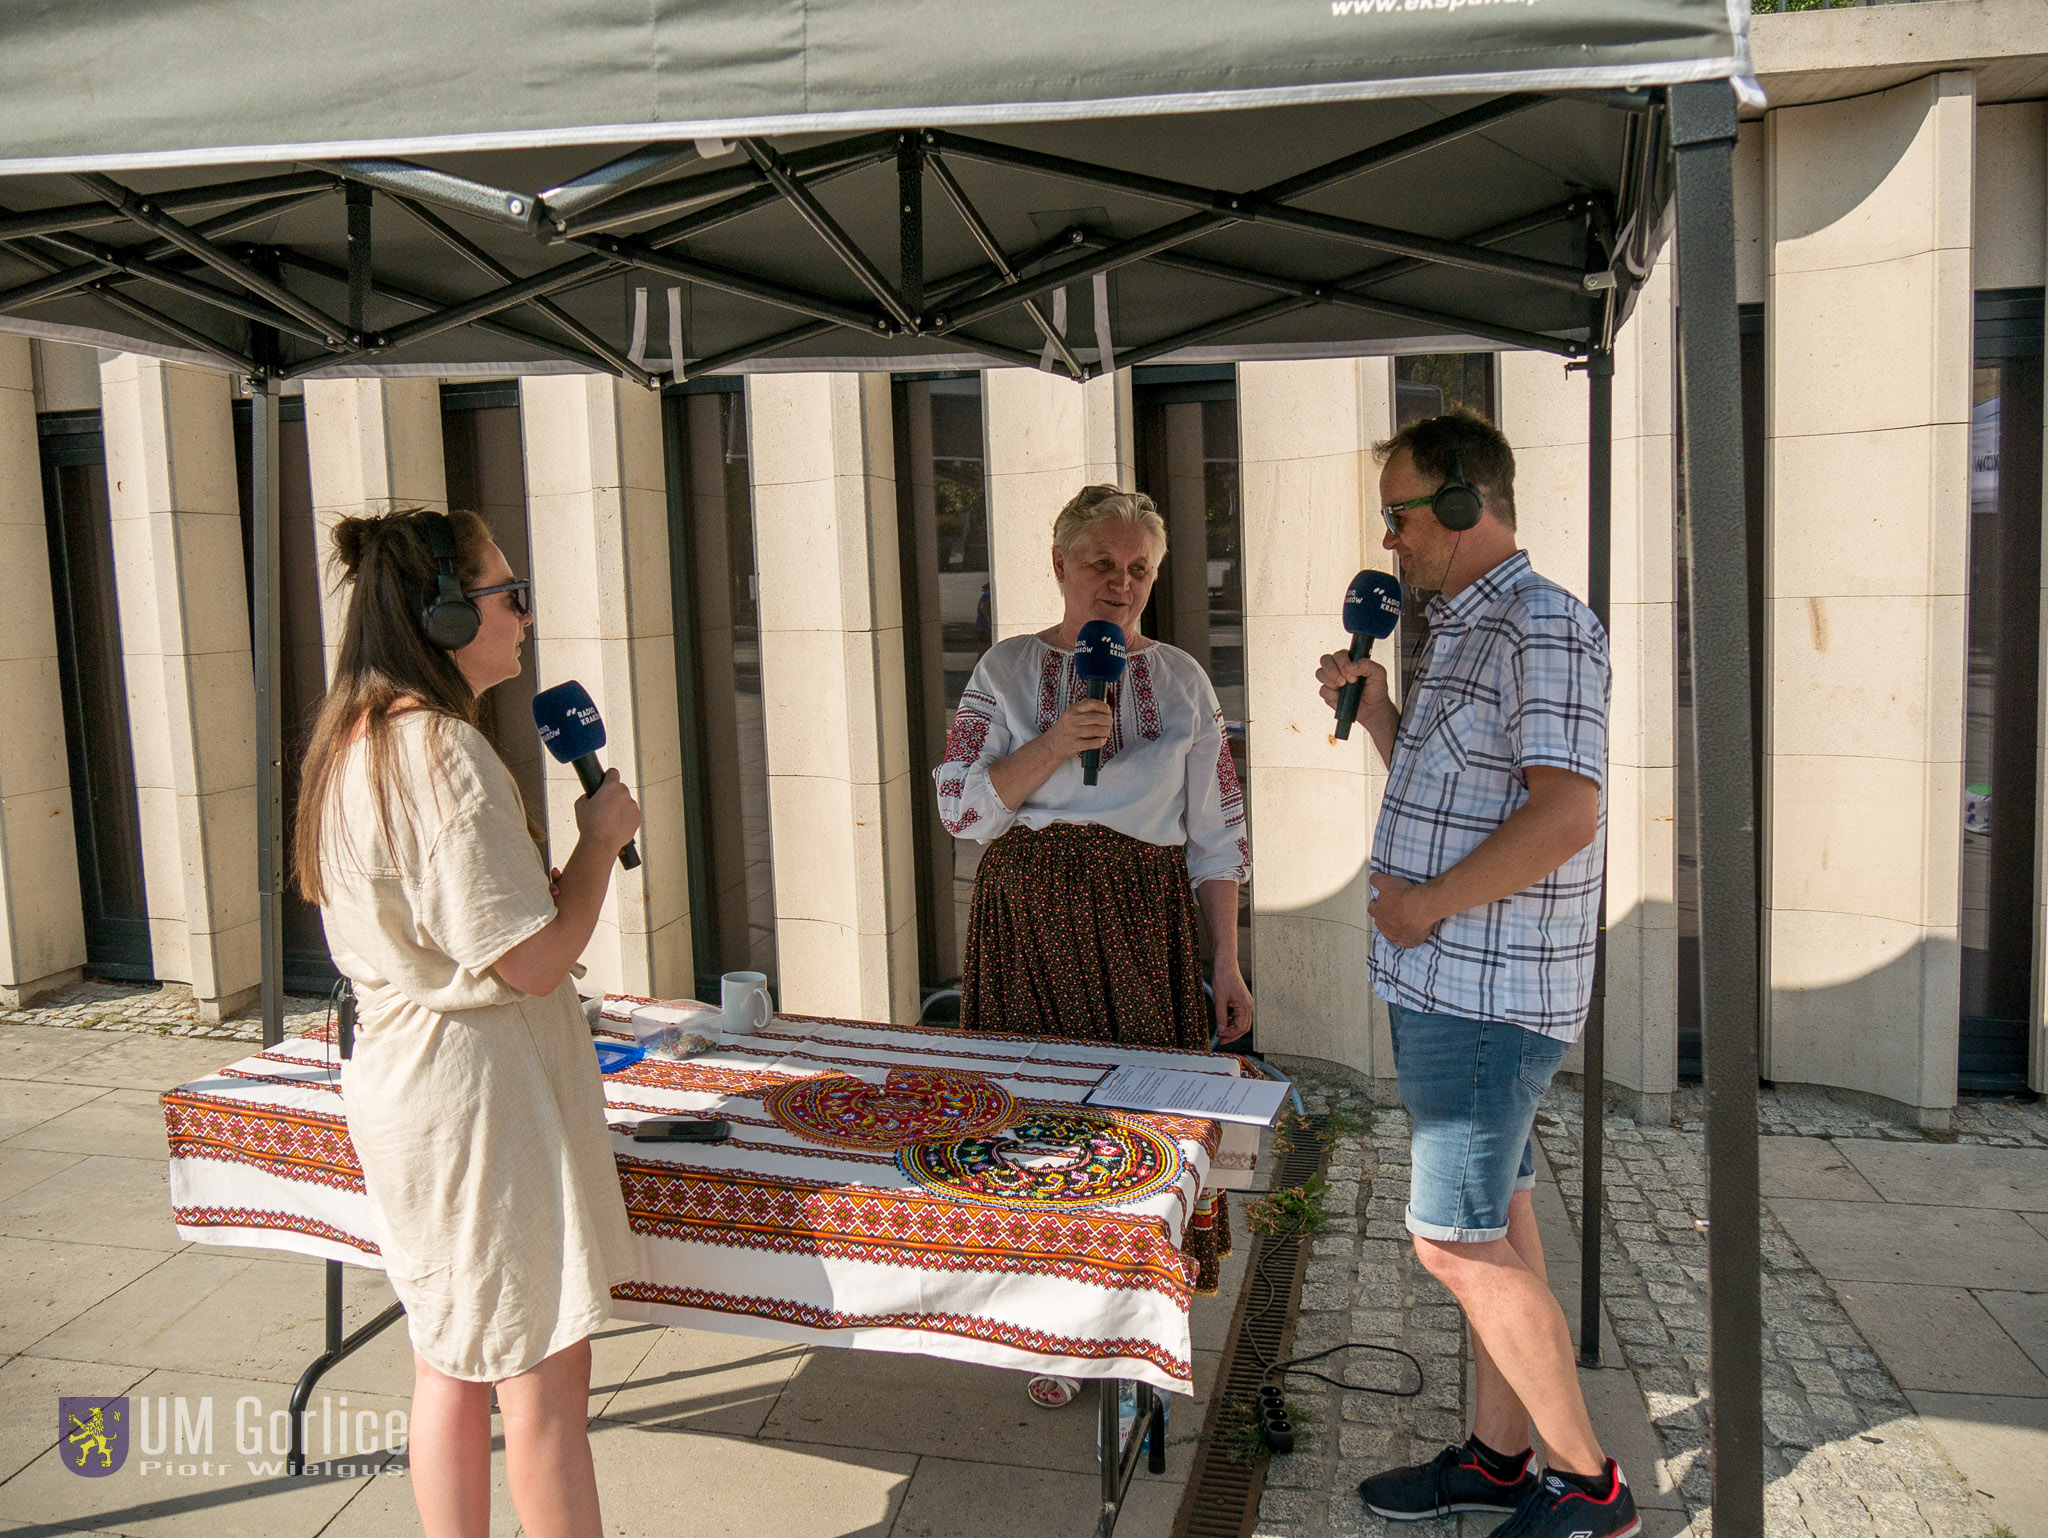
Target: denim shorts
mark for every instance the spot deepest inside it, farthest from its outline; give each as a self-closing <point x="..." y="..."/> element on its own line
<point x="1471" y="1088"/>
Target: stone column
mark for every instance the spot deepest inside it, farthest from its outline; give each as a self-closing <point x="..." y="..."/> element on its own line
<point x="184" y="606"/>
<point x="840" y="786"/>
<point x="372" y="445"/>
<point x="1869" y="343"/>
<point x="598" y="519"/>
<point x="1047" y="438"/>
<point x="42" y="926"/>
<point x="1310" y="494"/>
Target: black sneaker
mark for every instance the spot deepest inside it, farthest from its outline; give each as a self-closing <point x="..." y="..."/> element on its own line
<point x="1452" y="1481"/>
<point x="1555" y="1509"/>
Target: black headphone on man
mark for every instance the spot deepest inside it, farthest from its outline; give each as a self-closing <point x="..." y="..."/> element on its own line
<point x="450" y="619"/>
<point x="1457" y="503"/>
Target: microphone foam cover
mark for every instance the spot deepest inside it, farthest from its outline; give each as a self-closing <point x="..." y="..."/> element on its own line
<point x="1372" y="605"/>
<point x="568" y="720"/>
<point x="1099" y="651"/>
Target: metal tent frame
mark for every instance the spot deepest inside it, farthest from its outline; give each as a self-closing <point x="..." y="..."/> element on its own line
<point x="1576" y="263"/>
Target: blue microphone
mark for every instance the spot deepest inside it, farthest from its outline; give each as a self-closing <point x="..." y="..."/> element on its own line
<point x="1099" y="658"/>
<point x="572" y="730"/>
<point x="1372" y="608"/>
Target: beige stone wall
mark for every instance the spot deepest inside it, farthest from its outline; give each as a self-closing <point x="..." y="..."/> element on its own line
<point x="597" y="515"/>
<point x="2009" y="247"/>
<point x="1047" y="438"/>
<point x="1544" y="413"/>
<point x="179" y="576"/>
<point x="1310" y="500"/>
<point x="840" y="785"/>
<point x="67" y="378"/>
<point x="372" y="445"/>
<point x="42" y="930"/>
<point x="1869" y="345"/>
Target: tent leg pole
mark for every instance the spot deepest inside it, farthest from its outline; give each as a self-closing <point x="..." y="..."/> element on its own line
<point x="267" y="650"/>
<point x="1703" y="139"/>
<point x="1599" y="586"/>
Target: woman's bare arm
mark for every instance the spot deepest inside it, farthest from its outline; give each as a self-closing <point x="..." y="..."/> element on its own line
<point x="605" y="821"/>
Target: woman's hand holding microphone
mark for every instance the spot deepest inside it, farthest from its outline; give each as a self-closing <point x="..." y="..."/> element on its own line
<point x="1083" y="725"/>
<point x="608" y="818"/>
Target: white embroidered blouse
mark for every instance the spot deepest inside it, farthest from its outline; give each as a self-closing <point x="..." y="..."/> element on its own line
<point x="1166" y="776"/>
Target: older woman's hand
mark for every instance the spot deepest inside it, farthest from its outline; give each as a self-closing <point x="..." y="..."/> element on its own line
<point x="1233" y="1003"/>
<point x="1085" y="725"/>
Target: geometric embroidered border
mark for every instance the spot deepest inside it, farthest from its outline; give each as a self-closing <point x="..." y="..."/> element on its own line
<point x="993" y="1330"/>
<point x="295" y="1145"/>
<point x="907" y="1228"/>
<point x="253" y="1217"/>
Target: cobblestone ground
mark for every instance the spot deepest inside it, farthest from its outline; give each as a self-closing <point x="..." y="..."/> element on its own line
<point x="165" y="1010"/>
<point x="1846" y="1456"/>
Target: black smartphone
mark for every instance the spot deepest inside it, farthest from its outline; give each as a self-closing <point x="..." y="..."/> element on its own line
<point x="674" y="1129"/>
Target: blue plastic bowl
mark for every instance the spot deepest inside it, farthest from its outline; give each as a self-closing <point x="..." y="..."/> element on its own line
<point x="615" y="1055"/>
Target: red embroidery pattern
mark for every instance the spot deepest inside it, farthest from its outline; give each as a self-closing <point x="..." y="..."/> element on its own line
<point x="950" y="789"/>
<point x="331" y="1086"/>
<point x="693" y="1078"/>
<point x="294" y="1145"/>
<point x="970" y="731"/>
<point x="808" y="1316"/>
<point x="841" y="1111"/>
<point x="808" y="1217"/>
<point x="254" y="1217"/>
<point x="963" y="822"/>
<point x="1227" y="783"/>
<point x="1049" y="681"/>
<point x="1148" y="706"/>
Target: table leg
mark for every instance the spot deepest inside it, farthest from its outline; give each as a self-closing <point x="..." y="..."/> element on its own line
<point x="338" y="1346"/>
<point x="1119" y="1461"/>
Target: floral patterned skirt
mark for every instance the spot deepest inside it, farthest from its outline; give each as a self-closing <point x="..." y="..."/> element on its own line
<point x="1080" y="931"/>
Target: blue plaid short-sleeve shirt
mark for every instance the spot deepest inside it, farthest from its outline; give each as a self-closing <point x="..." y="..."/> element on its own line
<point x="1515" y="675"/>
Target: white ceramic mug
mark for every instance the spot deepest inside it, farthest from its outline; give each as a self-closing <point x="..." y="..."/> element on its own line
<point x="746" y="1003"/>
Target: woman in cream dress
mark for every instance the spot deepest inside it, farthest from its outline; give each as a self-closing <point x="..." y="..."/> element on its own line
<point x="473" y="1095"/>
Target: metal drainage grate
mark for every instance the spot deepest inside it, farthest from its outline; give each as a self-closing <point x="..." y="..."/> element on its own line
<point x="1222" y="1499"/>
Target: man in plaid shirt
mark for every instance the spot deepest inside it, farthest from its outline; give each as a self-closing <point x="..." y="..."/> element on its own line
<point x="1487" y="864"/>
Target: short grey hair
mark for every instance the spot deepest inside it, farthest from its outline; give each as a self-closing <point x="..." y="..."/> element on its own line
<point x="1093" y="506"/>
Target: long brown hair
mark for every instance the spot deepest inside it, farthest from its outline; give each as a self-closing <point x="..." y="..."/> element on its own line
<point x="385" y="658"/>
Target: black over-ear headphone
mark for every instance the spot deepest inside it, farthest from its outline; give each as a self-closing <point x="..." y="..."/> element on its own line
<point x="1457" y="503"/>
<point x="450" y="620"/>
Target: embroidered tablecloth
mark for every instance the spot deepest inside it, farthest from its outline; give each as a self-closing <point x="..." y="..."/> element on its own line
<point x="887" y="1188"/>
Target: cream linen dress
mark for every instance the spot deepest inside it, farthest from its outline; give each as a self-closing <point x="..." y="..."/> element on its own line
<point x="477" y="1110"/>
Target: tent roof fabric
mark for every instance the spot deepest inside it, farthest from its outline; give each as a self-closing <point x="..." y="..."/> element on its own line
<point x="687" y="186"/>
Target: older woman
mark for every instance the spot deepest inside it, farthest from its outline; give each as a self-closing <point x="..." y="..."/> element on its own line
<point x="1095" y="904"/>
<point x="1085" y="921"/>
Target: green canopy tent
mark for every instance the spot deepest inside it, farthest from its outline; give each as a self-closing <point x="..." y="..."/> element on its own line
<point x="691" y="186"/>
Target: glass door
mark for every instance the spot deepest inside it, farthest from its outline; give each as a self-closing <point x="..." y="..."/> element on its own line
<point x="2001" y="735"/>
<point x="105" y="816"/>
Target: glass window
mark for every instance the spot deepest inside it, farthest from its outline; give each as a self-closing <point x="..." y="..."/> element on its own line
<point x="942" y="540"/>
<point x="1427" y="385"/>
<point x="718" y="682"/>
<point x="2002" y="696"/>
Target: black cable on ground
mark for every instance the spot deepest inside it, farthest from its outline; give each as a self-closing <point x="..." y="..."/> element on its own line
<point x="1297" y="1364"/>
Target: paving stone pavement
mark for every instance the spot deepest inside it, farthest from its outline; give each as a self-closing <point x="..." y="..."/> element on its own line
<point x="1846" y="1457"/>
<point x="165" y="1009"/>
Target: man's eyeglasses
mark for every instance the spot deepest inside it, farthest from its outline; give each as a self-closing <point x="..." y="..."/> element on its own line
<point x="521" y="593"/>
<point x="1392" y="513"/>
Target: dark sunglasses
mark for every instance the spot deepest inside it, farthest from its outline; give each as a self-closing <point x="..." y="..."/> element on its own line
<point x="521" y="593"/>
<point x="1391" y="512"/>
